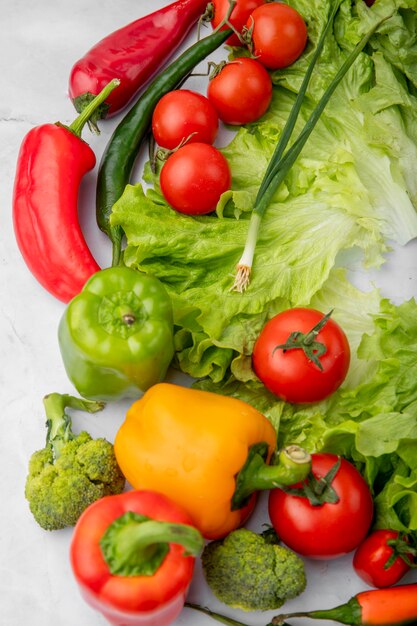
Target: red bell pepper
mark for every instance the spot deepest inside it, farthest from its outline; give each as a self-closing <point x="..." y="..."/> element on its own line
<point x="52" y="161"/>
<point x="132" y="54"/>
<point x="133" y="558"/>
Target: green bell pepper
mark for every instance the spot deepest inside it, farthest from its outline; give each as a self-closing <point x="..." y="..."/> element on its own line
<point x="116" y="336"/>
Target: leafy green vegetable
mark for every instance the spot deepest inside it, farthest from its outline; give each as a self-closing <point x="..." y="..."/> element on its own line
<point x="353" y="188"/>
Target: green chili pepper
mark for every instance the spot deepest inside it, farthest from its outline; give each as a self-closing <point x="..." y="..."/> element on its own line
<point x="116" y="336"/>
<point x="119" y="157"/>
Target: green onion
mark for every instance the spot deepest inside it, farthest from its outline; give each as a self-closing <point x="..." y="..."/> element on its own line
<point x="281" y="163"/>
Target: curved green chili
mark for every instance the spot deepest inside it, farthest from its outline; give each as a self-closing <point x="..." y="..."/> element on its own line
<point x="119" y="157"/>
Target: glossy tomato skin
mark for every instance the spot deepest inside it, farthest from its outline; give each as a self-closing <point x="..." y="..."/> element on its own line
<point x="241" y="92"/>
<point x="238" y="18"/>
<point x="328" y="530"/>
<point x="372" y="555"/>
<point x="184" y="115"/>
<point x="279" y="34"/>
<point x="290" y="374"/>
<point x="194" y="177"/>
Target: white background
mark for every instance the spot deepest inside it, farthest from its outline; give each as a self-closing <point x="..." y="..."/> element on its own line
<point x="39" y="42"/>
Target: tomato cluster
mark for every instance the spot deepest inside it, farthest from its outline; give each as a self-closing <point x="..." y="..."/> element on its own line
<point x="185" y="123"/>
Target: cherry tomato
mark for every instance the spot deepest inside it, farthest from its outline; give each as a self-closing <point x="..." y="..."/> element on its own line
<point x="292" y="374"/>
<point x="181" y="113"/>
<point x="374" y="554"/>
<point x="279" y="34"/>
<point x="194" y="177"/>
<point x="329" y="530"/>
<point x="239" y="16"/>
<point x="241" y="92"/>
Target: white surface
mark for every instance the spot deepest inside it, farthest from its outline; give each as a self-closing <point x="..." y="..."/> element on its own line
<point x="39" y="42"/>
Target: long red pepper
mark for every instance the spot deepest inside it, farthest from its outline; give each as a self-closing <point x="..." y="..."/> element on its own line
<point x="51" y="163"/>
<point x="132" y="54"/>
<point x="393" y="606"/>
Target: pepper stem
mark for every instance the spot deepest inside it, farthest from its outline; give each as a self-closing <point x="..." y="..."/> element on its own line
<point x="135" y="545"/>
<point x="223" y="619"/>
<point x="294" y="464"/>
<point x="348" y="613"/>
<point x="84" y="117"/>
<point x="59" y="422"/>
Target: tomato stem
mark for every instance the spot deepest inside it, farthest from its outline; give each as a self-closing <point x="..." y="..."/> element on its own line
<point x="307" y="342"/>
<point x="318" y="491"/>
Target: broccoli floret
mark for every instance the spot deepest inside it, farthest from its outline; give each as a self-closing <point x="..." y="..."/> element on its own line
<point x="72" y="471"/>
<point x="252" y="572"/>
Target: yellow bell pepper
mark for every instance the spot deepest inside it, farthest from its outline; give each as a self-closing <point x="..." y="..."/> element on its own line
<point x="207" y="452"/>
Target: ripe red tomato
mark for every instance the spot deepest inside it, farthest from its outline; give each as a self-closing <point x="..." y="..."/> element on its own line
<point x="329" y="530"/>
<point x="279" y="34"/>
<point x="238" y="17"/>
<point x="241" y="92"/>
<point x="374" y="553"/>
<point x="194" y="177"/>
<point x="181" y="113"/>
<point x="290" y="373"/>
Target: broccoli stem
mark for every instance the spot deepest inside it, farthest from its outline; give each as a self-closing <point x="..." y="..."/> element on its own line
<point x="59" y="422"/>
<point x="294" y="464"/>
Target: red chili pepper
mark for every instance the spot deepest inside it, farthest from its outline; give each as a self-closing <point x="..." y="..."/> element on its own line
<point x="133" y="558"/>
<point x="132" y="54"/>
<point x="52" y="161"/>
<point x="393" y="606"/>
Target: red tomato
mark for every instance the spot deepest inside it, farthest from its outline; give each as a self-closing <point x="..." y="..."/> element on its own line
<point x="181" y="113"/>
<point x="328" y="530"/>
<point x="291" y="374"/>
<point x="194" y="177"/>
<point x="239" y="16"/>
<point x="372" y="556"/>
<point x="241" y="92"/>
<point x="279" y="34"/>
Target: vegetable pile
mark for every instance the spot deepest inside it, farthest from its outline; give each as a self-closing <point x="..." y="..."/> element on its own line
<point x="305" y="385"/>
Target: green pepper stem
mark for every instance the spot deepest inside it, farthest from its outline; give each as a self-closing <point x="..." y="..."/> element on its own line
<point x="117" y="237"/>
<point x="135" y="545"/>
<point x="223" y="619"/>
<point x="294" y="464"/>
<point x="78" y="124"/>
<point x="59" y="422"/>
<point x="349" y="613"/>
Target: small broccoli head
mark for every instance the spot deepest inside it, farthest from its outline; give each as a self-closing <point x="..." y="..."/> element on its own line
<point x="59" y="490"/>
<point x="248" y="572"/>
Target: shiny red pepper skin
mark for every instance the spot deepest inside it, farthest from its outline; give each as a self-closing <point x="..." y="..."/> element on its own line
<point x="154" y="600"/>
<point x="51" y="164"/>
<point x="133" y="53"/>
